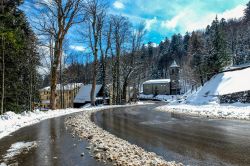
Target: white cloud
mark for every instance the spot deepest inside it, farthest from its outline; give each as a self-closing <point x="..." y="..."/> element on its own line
<point x="189" y="19"/>
<point x="149" y="23"/>
<point x="172" y="23"/>
<point x="77" y="48"/>
<point x="118" y="5"/>
<point x="236" y="12"/>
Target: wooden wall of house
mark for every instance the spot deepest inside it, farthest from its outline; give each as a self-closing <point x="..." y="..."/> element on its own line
<point x="156" y="89"/>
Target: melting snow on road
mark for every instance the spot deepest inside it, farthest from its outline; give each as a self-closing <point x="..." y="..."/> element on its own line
<point x="10" y="122"/>
<point x="18" y="148"/>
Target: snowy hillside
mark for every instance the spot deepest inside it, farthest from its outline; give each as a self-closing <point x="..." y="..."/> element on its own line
<point x="221" y="84"/>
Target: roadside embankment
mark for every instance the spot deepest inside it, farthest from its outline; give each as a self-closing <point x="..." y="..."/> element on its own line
<point x="237" y="111"/>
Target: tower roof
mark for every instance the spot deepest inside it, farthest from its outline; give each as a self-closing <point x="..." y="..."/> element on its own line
<point x="174" y="64"/>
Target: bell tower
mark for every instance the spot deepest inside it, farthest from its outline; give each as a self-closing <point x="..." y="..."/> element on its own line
<point x="174" y="78"/>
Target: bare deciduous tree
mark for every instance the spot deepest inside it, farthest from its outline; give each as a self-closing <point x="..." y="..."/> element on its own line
<point x="105" y="46"/>
<point x="95" y="14"/>
<point x="132" y="62"/>
<point x="56" y="18"/>
<point x="120" y="34"/>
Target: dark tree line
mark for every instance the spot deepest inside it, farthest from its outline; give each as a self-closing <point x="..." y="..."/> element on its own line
<point x="18" y="60"/>
<point x="203" y="53"/>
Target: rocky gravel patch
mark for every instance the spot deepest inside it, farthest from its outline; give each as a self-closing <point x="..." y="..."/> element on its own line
<point x="106" y="147"/>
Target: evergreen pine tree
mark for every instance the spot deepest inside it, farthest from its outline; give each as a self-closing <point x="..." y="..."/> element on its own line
<point x="20" y="59"/>
<point x="197" y="51"/>
<point x="247" y="12"/>
<point x="219" y="57"/>
<point x="186" y="43"/>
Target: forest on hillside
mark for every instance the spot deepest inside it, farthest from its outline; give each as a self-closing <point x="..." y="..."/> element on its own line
<point x="201" y="54"/>
<point x="117" y="56"/>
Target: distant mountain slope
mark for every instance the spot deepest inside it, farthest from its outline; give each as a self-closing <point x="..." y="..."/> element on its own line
<point x="223" y="83"/>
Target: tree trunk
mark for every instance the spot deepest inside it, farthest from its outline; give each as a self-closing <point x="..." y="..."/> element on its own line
<point x="103" y="64"/>
<point x="61" y="86"/>
<point x="95" y="52"/>
<point x="3" y="75"/>
<point x="103" y="78"/>
<point x="114" y="101"/>
<point x="124" y="90"/>
<point x="53" y="87"/>
<point x="54" y="74"/>
<point x="118" y="93"/>
<point x="30" y="95"/>
<point x="92" y="94"/>
<point x="201" y="78"/>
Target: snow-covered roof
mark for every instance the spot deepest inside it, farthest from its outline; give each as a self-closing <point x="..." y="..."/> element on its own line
<point x="84" y="93"/>
<point x="70" y="86"/>
<point x="158" y="81"/>
<point x="174" y="64"/>
<point x="222" y="84"/>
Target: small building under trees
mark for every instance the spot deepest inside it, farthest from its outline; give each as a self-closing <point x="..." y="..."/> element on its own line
<point x="83" y="96"/>
<point x="164" y="86"/>
<point x="65" y="95"/>
<point x="157" y="87"/>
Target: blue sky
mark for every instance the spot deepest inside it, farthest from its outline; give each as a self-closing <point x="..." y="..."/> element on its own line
<point x="163" y="18"/>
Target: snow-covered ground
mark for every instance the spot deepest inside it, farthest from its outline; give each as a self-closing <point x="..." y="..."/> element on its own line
<point x="233" y="111"/>
<point x="221" y="84"/>
<point x="10" y="122"/>
<point x="205" y="101"/>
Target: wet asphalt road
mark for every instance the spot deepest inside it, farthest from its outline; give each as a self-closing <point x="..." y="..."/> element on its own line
<point x="56" y="147"/>
<point x="190" y="140"/>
